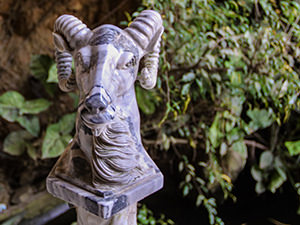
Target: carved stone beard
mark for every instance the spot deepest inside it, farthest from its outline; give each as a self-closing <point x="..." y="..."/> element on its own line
<point x="115" y="157"/>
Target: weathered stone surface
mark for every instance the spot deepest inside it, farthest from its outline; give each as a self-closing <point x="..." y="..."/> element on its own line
<point x="106" y="168"/>
<point x="125" y="217"/>
<point x="103" y="202"/>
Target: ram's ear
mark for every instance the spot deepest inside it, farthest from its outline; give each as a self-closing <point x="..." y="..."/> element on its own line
<point x="60" y="43"/>
<point x="155" y="40"/>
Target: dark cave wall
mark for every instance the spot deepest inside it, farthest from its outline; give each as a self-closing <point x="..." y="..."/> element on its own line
<point x="26" y="29"/>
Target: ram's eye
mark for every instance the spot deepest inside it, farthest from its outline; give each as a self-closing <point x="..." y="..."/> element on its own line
<point x="131" y="62"/>
<point x="126" y="60"/>
<point x="82" y="62"/>
<point x="78" y="59"/>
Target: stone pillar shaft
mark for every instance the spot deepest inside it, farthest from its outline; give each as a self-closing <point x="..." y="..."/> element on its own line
<point x="125" y="217"/>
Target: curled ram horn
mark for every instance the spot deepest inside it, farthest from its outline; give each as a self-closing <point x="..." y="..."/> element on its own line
<point x="146" y="31"/>
<point x="69" y="33"/>
<point x="148" y="75"/>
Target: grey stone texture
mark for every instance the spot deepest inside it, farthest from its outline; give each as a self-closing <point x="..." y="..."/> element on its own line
<point x="105" y="168"/>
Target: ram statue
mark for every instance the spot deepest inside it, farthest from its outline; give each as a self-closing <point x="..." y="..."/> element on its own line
<point x="106" y="158"/>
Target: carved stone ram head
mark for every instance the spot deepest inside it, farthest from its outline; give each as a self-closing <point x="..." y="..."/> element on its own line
<point x="107" y="61"/>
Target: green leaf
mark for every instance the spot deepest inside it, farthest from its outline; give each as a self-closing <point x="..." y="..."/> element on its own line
<point x="39" y="66"/>
<point x="67" y="123"/>
<point x="293" y="147"/>
<point x="52" y="74"/>
<point x="151" y="220"/>
<point x="256" y="173"/>
<point x="277" y="179"/>
<point x="185" y="190"/>
<point x="211" y="218"/>
<point x="215" y="135"/>
<point x="199" y="200"/>
<point x="52" y="145"/>
<point x="223" y="149"/>
<point x="13" y="106"/>
<point x="188" y="77"/>
<point x="166" y="141"/>
<point x="35" y="106"/>
<point x="236" y="104"/>
<point x="145" y="100"/>
<point x="12" y="99"/>
<point x="260" y="188"/>
<point x="65" y="139"/>
<point x="16" y="142"/>
<point x="266" y="160"/>
<point x="188" y="178"/>
<point x="241" y="148"/>
<point x="185" y="89"/>
<point x="75" y="98"/>
<point x="30" y="123"/>
<point x="234" y="135"/>
<point x="31" y="151"/>
<point x="8" y="113"/>
<point x="180" y="166"/>
<point x="57" y="136"/>
<point x="260" y="118"/>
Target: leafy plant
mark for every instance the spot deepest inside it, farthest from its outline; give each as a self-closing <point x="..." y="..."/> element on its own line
<point x="146" y="100"/>
<point x="145" y="217"/>
<point x="270" y="174"/>
<point x="293" y="147"/>
<point x="228" y="72"/>
<point x="40" y="66"/>
<point x="17" y="142"/>
<point x="58" y="136"/>
<point x="43" y="68"/>
<point x="14" y="108"/>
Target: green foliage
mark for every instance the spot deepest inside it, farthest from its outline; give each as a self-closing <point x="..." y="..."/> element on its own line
<point x="17" y="142"/>
<point x="145" y="217"/>
<point x="14" y="108"/>
<point x="43" y="68"/>
<point x="58" y="136"/>
<point x="259" y="119"/>
<point x="40" y="66"/>
<point x="293" y="147"/>
<point x="146" y="101"/>
<point x="270" y="174"/>
<point x="228" y="71"/>
<point x="52" y="77"/>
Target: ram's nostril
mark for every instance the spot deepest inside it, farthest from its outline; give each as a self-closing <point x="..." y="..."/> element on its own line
<point x="102" y="108"/>
<point x="96" y="103"/>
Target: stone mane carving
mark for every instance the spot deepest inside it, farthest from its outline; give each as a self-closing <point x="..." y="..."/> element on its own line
<point x="107" y="60"/>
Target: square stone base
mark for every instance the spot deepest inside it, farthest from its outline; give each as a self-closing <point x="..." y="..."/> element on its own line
<point x="102" y="203"/>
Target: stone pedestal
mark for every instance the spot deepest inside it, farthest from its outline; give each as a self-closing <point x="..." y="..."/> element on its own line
<point x="125" y="217"/>
<point x="102" y="202"/>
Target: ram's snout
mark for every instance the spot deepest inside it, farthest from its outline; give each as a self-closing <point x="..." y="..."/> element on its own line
<point x="97" y="109"/>
<point x="98" y="100"/>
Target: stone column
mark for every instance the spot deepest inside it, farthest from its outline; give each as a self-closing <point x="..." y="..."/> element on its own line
<point x="125" y="217"/>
